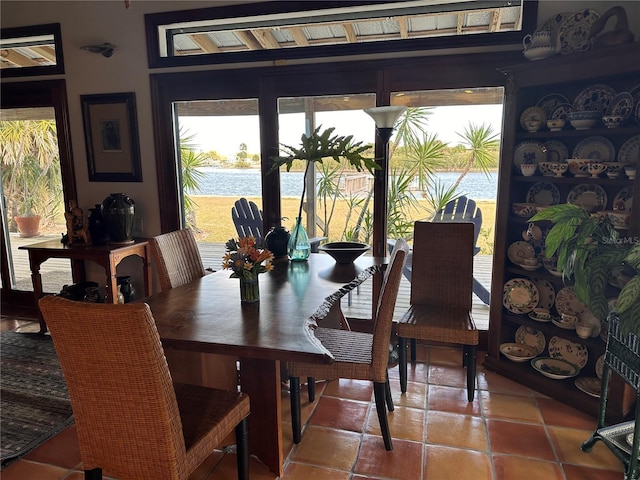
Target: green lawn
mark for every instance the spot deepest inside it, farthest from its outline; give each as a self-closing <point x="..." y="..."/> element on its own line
<point x="213" y="218"/>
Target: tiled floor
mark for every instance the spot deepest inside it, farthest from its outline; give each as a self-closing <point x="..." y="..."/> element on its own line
<point x="509" y="432"/>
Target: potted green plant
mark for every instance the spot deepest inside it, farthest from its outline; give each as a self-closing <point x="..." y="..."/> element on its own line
<point x="588" y="248"/>
<point x="317" y="146"/>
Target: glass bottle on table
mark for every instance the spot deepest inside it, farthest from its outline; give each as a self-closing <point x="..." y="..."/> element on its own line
<point x="299" y="246"/>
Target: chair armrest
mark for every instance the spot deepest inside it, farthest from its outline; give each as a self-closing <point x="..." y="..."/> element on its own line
<point x="315" y="243"/>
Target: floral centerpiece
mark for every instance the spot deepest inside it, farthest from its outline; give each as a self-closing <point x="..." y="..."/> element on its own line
<point x="247" y="261"/>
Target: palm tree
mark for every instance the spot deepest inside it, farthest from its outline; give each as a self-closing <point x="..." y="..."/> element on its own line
<point x="481" y="143"/>
<point x="190" y="162"/>
<point x="30" y="165"/>
<point x="424" y="157"/>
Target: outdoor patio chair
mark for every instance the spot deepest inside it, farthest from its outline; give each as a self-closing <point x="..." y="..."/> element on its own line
<point x="247" y="218"/>
<point x="440" y="308"/>
<point x="463" y="209"/>
<point x="358" y="355"/>
<point x="132" y="420"/>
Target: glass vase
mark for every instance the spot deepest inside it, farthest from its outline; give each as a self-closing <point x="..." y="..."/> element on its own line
<point x="299" y="246"/>
<point x="249" y="290"/>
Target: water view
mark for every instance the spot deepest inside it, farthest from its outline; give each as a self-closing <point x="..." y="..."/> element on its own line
<point x="246" y="182"/>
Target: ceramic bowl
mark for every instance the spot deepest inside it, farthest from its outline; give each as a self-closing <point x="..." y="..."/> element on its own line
<point x="556" y="124"/>
<point x="630" y="171"/>
<point x="584" y="119"/>
<point x="612" y="121"/>
<point x="618" y="219"/>
<point x="344" y="252"/>
<point x="524" y="210"/>
<point x="614" y="169"/>
<point x="528" y="169"/>
<point x="596" y="168"/>
<point x="551" y="266"/>
<point x="542" y="313"/>
<point x="557" y="168"/>
<point x="518" y="352"/>
<point x="579" y="167"/>
<point x="583" y="330"/>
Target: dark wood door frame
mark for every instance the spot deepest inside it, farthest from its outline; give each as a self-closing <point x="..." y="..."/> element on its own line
<point x="45" y="93"/>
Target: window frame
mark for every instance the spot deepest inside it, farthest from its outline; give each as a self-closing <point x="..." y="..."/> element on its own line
<point x="32" y="31"/>
<point x="155" y="20"/>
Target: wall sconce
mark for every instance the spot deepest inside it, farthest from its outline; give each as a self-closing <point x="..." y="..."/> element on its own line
<point x="105" y="49"/>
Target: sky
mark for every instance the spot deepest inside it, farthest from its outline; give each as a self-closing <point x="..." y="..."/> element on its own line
<point x="225" y="134"/>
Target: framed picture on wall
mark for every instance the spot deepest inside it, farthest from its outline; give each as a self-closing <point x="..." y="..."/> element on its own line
<point x="111" y="137"/>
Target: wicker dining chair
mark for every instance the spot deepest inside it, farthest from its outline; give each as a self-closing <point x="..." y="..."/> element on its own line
<point x="440" y="302"/>
<point x="178" y="262"/>
<point x="131" y="420"/>
<point x="358" y="355"/>
<point x="177" y="258"/>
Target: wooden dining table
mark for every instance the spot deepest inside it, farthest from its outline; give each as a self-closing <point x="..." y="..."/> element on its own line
<point x="207" y="316"/>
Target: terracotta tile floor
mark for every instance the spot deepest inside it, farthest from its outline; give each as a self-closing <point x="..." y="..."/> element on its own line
<point x="508" y="432"/>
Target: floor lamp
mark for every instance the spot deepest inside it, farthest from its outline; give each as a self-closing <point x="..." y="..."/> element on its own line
<point x="385" y="118"/>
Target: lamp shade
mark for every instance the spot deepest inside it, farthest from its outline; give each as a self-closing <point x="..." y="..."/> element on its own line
<point x="385" y="117"/>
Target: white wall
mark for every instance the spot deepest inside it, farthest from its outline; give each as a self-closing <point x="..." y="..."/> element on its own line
<point x="89" y="22"/>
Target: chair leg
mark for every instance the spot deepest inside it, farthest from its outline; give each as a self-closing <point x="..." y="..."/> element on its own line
<point x="311" y="388"/>
<point x="294" y="397"/>
<point x="242" y="449"/>
<point x="414" y="348"/>
<point x="387" y="394"/>
<point x="94" y="474"/>
<point x="471" y="371"/>
<point x="379" y="394"/>
<point x="402" y="363"/>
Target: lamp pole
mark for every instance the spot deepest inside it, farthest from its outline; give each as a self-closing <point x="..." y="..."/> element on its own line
<point x="384" y="117"/>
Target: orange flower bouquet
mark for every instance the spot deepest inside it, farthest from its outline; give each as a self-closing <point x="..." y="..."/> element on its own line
<point x="247" y="262"/>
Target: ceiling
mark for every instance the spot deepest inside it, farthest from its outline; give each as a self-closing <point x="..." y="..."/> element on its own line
<point x="398" y="21"/>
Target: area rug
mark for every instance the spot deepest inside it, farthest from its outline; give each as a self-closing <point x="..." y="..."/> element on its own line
<point x="34" y="403"/>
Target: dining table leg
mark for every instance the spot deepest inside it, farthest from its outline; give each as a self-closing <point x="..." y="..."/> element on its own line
<point x="260" y="379"/>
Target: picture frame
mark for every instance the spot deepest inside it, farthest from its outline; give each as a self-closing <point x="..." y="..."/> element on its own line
<point x="111" y="137"/>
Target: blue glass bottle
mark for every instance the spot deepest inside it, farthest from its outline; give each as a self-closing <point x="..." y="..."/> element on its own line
<point x="299" y="247"/>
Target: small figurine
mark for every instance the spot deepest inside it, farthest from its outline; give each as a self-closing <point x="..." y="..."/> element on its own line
<point x="619" y="34"/>
<point x="77" y="228"/>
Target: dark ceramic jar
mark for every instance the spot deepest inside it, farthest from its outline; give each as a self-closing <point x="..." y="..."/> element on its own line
<point x="126" y="287"/>
<point x="118" y="212"/>
<point x="97" y="228"/>
<point x="276" y="241"/>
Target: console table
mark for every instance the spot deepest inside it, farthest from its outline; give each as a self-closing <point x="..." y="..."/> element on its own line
<point x="107" y="256"/>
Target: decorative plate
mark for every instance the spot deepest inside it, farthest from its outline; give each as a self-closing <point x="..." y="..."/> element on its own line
<point x="594" y="98"/>
<point x="599" y="366"/>
<point x="573" y="33"/>
<point x="556" y="151"/>
<point x="549" y="102"/>
<point x="567" y="302"/>
<point x="543" y="193"/>
<point x="546" y="292"/>
<point x="623" y="201"/>
<point x="518" y="352"/>
<point x="531" y="151"/>
<point x="561" y="111"/>
<point x="532" y="114"/>
<point x="629" y="438"/>
<point x="630" y="150"/>
<point x="635" y="93"/>
<point x="532" y="337"/>
<point x="520" y="295"/>
<point x="595" y="148"/>
<point x="591" y="197"/>
<point x="552" y="24"/>
<point x="636" y="114"/>
<point x="560" y="322"/>
<point x="554" y="368"/>
<point x="568" y="351"/>
<point x="520" y="250"/>
<point x="622" y="104"/>
<point x="589" y="385"/>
